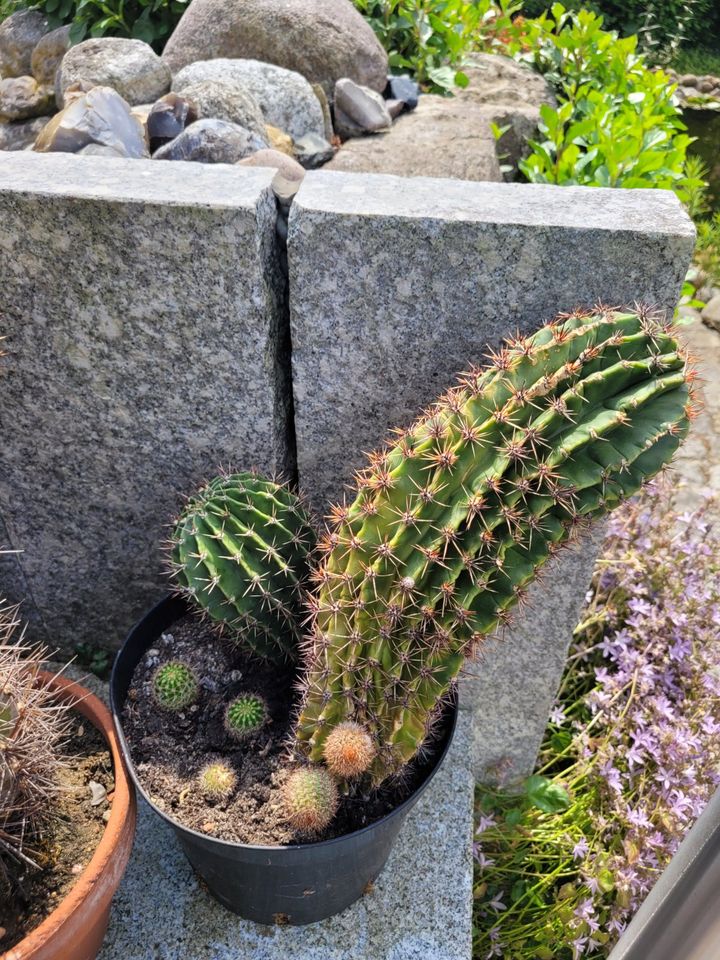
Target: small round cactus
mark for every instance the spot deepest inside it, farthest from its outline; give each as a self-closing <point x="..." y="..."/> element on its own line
<point x="245" y="715"/>
<point x="175" y="686"/>
<point x="217" y="781"/>
<point x="349" y="750"/>
<point x="310" y="798"/>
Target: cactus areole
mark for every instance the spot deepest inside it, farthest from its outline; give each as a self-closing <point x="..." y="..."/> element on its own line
<point x="455" y="517"/>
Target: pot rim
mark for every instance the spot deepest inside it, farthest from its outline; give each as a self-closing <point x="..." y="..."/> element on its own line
<point x="123" y="811"/>
<point x="274" y="848"/>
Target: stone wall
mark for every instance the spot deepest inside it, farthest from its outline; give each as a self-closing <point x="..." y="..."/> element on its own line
<point x="148" y="340"/>
<point x="141" y="306"/>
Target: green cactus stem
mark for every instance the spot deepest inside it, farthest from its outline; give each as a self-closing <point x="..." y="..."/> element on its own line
<point x="454" y="518"/>
<point x="240" y="551"/>
<point x="244" y="715"/>
<point x="175" y="686"/>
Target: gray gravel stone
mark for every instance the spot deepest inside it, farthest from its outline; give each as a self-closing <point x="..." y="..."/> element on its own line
<point x="313" y="151"/>
<point x="285" y="98"/>
<point x="419" y="908"/>
<point x="22" y="134"/>
<point x="48" y="54"/>
<point x="19" y="34"/>
<point x="100" y="117"/>
<point x="212" y="141"/>
<point x="362" y="106"/>
<point x="22" y="98"/>
<point x="129" y="66"/>
<point x="141" y="309"/>
<point x="711" y="313"/>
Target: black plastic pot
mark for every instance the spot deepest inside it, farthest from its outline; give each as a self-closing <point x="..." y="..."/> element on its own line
<point x="294" y="884"/>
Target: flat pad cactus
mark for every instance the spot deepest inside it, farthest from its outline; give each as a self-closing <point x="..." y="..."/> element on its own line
<point x="240" y="551"/>
<point x="454" y="518"/>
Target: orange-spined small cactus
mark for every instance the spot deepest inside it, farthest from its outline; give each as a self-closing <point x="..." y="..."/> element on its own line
<point x="310" y="797"/>
<point x="349" y="750"/>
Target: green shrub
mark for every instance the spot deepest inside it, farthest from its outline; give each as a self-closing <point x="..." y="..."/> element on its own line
<point x="150" y="20"/>
<point x="616" y="123"/>
<point x="430" y="38"/>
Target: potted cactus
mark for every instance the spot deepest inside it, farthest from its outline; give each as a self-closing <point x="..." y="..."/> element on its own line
<point x="299" y="733"/>
<point x="64" y="844"/>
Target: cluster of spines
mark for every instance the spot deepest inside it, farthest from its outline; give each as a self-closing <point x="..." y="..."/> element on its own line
<point x="240" y="552"/>
<point x="455" y="517"/>
<point x="33" y="725"/>
<point x="217" y="781"/>
<point x="310" y="799"/>
<point x="245" y="714"/>
<point x="175" y="686"/>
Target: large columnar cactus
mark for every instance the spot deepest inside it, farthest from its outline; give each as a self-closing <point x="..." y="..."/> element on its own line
<point x="454" y="518"/>
<point x="32" y="726"/>
<point x="240" y="550"/>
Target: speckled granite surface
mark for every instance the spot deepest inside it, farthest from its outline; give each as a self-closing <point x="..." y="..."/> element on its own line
<point x="420" y="908"/>
<point x="398" y="284"/>
<point x="140" y="305"/>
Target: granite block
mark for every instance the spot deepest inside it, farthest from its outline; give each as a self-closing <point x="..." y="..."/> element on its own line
<point x="397" y="284"/>
<point x="420" y="908"/>
<point x="145" y="345"/>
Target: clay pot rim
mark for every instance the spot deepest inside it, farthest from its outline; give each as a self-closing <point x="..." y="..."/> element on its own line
<point x="123" y="811"/>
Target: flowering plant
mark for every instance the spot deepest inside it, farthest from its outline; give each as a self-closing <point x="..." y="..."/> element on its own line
<point x="631" y="754"/>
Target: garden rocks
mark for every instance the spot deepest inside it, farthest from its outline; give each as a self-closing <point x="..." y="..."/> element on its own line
<point x="285" y="98"/>
<point x="403" y="89"/>
<point x="711" y="314"/>
<point x="19" y="35"/>
<point x="313" y="151"/>
<point x="323" y="40"/>
<point x="359" y="110"/>
<point x="21" y="134"/>
<point x="223" y="100"/>
<point x="100" y="116"/>
<point x="22" y="98"/>
<point x="279" y="140"/>
<point x="48" y="54"/>
<point x="288" y="178"/>
<point x="130" y="67"/>
<point x="168" y="118"/>
<point x="442" y="137"/>
<point x="212" y="141"/>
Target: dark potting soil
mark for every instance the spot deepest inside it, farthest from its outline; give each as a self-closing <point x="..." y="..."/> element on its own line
<point x="70" y="840"/>
<point x="170" y="750"/>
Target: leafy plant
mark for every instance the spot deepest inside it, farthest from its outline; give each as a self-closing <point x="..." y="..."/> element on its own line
<point x="150" y="20"/>
<point x="616" y="123"/>
<point x="632" y="744"/>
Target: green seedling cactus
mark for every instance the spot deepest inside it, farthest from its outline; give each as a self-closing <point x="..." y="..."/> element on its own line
<point x="458" y="514"/>
<point x="310" y="799"/>
<point x="244" y="715"/>
<point x="240" y="551"/>
<point x="217" y="781"/>
<point x="174" y="686"/>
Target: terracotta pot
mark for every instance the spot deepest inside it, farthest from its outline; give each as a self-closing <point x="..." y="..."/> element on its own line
<point x="76" y="929"/>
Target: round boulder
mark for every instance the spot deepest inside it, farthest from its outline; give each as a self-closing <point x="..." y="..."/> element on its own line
<point x="285" y="98"/>
<point x="323" y="40"/>
<point x="211" y="141"/>
<point x="48" y="54"/>
<point x="22" y="98"/>
<point x="19" y="35"/>
<point x="130" y="67"/>
<point x="224" y="100"/>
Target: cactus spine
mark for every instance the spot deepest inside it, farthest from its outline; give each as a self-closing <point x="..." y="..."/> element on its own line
<point x="240" y="550"/>
<point x="455" y="517"/>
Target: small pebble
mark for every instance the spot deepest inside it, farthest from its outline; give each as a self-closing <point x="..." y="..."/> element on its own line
<point x="98" y="793"/>
<point x="106" y="815"/>
<point x="3" y="931"/>
<point x="76" y="869"/>
<point x="153" y="652"/>
<point x="80" y="731"/>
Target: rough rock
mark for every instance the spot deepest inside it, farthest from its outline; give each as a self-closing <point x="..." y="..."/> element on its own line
<point x="19" y="34"/>
<point x="363" y="107"/>
<point x="321" y="39"/>
<point x="285" y="98"/>
<point x="48" y="54"/>
<point x="168" y="117"/>
<point x="279" y="140"/>
<point x="711" y="314"/>
<point x="508" y="94"/>
<point x="313" y="151"/>
<point x="404" y="89"/>
<point x="100" y="116"/>
<point x="325" y="107"/>
<point x="288" y="178"/>
<point x="222" y="99"/>
<point x="130" y="67"/>
<point x="22" y="98"/>
<point x="395" y="108"/>
<point x="21" y="134"/>
<point x="442" y="137"/>
<point x="212" y="141"/>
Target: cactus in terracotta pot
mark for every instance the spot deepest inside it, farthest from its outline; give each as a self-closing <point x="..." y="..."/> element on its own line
<point x="454" y="518"/>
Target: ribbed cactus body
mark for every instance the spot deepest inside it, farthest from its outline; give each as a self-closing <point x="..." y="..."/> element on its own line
<point x="456" y="516"/>
<point x="240" y="550"/>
